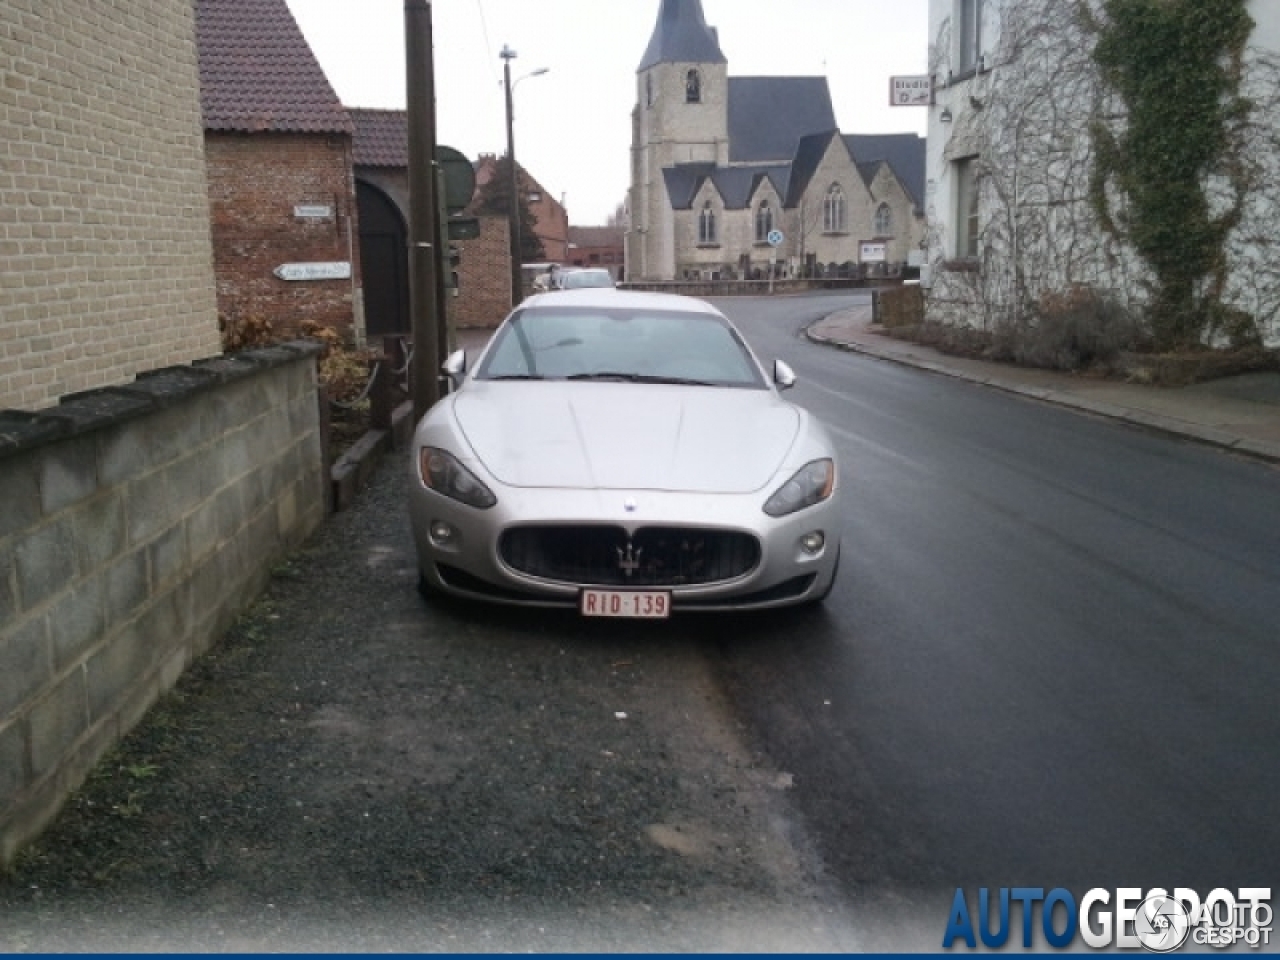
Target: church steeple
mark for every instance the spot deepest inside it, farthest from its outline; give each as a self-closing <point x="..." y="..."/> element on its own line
<point x="681" y="35"/>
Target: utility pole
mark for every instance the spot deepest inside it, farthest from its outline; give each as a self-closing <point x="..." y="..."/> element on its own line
<point x="423" y="229"/>
<point x="513" y="214"/>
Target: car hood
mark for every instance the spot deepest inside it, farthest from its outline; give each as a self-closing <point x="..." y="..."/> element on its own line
<point x="619" y="436"/>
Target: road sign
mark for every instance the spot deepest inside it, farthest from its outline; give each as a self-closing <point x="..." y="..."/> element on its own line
<point x="775" y="238"/>
<point x="338" y="270"/>
<point x="459" y="178"/>
<point x="463" y="228"/>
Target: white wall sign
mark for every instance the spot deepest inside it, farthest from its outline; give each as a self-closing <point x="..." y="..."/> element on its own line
<point x="872" y="252"/>
<point x="314" y="211"/>
<point x="337" y="270"/>
<point x="910" y="91"/>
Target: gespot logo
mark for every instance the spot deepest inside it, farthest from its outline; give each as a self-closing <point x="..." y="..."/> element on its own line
<point x="1126" y="918"/>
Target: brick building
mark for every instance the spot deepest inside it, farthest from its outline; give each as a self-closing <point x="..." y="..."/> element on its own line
<point x="381" y="155"/>
<point x="107" y="269"/>
<point x="551" y="221"/>
<point x="598" y="247"/>
<point x="483" y="297"/>
<point x="278" y="145"/>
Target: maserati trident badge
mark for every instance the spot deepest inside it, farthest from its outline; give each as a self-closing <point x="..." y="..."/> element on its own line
<point x="629" y="561"/>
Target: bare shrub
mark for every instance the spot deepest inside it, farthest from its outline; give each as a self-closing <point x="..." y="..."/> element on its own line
<point x="1074" y="329"/>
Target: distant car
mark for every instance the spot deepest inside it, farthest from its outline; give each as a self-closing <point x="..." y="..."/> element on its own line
<point x="625" y="454"/>
<point x="573" y="279"/>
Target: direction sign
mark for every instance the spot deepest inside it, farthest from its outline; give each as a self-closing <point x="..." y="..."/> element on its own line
<point x="775" y="238"/>
<point x="336" y="270"/>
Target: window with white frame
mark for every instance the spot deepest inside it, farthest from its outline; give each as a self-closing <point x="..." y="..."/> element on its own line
<point x="883" y="224"/>
<point x="707" y="224"/>
<point x="970" y="18"/>
<point x="764" y="222"/>
<point x="833" y="210"/>
<point x="966" y="173"/>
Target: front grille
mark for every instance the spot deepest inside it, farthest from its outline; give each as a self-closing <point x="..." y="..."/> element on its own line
<point x="652" y="557"/>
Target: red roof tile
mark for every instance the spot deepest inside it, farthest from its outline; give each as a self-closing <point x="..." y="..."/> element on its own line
<point x="257" y="72"/>
<point x="381" y="139"/>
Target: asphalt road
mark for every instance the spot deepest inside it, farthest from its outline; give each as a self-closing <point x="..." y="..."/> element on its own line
<point x="1052" y="655"/>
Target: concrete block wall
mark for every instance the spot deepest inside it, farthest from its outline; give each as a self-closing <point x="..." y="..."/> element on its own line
<point x="104" y="231"/>
<point x="136" y="522"/>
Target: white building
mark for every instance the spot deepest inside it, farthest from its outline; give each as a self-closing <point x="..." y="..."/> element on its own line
<point x="1011" y="153"/>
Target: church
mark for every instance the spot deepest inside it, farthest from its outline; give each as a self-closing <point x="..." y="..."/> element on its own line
<point x="738" y="177"/>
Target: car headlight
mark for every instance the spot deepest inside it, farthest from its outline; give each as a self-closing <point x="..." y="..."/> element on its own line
<point x="441" y="471"/>
<point x="811" y="484"/>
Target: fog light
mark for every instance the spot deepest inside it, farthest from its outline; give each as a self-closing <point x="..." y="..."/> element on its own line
<point x="442" y="534"/>
<point x="813" y="542"/>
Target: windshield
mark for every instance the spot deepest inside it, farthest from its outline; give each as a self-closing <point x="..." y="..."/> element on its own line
<point x="561" y="343"/>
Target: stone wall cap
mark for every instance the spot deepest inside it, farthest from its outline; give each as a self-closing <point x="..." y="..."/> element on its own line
<point x="87" y="410"/>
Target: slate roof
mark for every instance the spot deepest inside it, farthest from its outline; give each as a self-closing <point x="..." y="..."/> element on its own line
<point x="769" y="115"/>
<point x="736" y="184"/>
<point x="809" y="155"/>
<point x="904" y="152"/>
<point x="681" y="35"/>
<point x="381" y="138"/>
<point x="257" y="72"/>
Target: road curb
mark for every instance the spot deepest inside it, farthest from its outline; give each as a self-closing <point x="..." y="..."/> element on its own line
<point x="1136" y="418"/>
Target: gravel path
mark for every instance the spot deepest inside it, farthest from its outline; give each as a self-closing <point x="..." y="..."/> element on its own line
<point x="352" y="770"/>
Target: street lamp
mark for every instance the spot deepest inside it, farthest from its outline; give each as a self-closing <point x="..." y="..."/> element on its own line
<point x="513" y="215"/>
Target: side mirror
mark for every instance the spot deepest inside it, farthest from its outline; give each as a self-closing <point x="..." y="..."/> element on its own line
<point x="456" y="367"/>
<point x="784" y="378"/>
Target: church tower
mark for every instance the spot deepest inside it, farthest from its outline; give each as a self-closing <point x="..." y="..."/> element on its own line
<point x="681" y="116"/>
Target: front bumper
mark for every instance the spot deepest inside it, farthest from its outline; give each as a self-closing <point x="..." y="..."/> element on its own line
<point x="468" y="563"/>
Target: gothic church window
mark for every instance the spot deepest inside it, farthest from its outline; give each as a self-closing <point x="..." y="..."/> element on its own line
<point x="764" y="222"/>
<point x="884" y="221"/>
<point x="833" y="210"/>
<point x="707" y="224"/>
<point x="693" y="87"/>
<point x="648" y="90"/>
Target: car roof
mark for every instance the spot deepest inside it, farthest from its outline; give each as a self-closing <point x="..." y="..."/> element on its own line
<point x="605" y="297"/>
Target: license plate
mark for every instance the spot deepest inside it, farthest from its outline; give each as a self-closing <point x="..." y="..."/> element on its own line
<point x="646" y="604"/>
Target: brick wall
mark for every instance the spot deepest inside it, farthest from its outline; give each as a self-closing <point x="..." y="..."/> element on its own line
<point x="104" y="232"/>
<point x="484" y="277"/>
<point x="137" y="522"/>
<point x="255" y="182"/>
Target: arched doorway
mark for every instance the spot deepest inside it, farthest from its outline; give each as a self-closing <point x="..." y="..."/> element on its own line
<point x="384" y="263"/>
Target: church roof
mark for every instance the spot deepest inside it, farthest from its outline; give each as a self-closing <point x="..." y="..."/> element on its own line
<point x="681" y="35"/>
<point x="904" y="152"/>
<point x="736" y="185"/>
<point x="768" y="116"/>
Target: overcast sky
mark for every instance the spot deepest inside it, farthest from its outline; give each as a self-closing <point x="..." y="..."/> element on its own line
<point x="573" y="124"/>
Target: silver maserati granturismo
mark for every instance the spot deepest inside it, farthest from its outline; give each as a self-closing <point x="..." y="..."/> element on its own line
<point x="624" y="454"/>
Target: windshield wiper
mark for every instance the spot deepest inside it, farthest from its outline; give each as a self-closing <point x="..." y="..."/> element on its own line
<point x="640" y="378"/>
<point x="517" y="376"/>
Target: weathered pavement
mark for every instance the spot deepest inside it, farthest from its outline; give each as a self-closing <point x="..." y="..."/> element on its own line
<point x="352" y="770"/>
